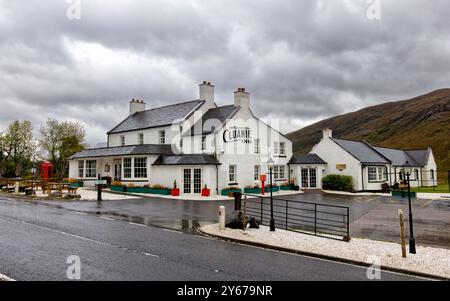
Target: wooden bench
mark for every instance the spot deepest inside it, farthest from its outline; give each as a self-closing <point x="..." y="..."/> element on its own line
<point x="71" y="189"/>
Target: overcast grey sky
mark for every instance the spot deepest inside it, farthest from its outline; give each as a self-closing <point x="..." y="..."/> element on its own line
<point x="302" y="60"/>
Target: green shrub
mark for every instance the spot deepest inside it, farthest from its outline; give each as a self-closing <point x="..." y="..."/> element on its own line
<point x="337" y="183"/>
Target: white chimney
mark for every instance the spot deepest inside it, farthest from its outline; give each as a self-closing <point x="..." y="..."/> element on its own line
<point x="327" y="133"/>
<point x="242" y="98"/>
<point x="136" y="105"/>
<point x="207" y="92"/>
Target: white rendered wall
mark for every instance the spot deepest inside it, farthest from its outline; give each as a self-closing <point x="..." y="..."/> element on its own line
<point x="333" y="154"/>
<point x="426" y="175"/>
<point x="243" y="155"/>
<point x="151" y="136"/>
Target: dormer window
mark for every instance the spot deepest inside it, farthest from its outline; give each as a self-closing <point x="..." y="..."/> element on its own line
<point x="162" y="137"/>
<point x="282" y="149"/>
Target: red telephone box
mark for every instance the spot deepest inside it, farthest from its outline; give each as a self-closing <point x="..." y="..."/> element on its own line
<point x="46" y="170"/>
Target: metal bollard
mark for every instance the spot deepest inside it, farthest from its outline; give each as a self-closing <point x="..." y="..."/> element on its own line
<point x="99" y="189"/>
<point x="222" y="218"/>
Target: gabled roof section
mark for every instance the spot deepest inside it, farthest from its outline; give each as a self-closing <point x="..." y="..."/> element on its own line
<point x="398" y="157"/>
<point x="420" y="156"/>
<point x="194" y="159"/>
<point x="362" y="151"/>
<point x="307" y="159"/>
<point x="157" y="117"/>
<point x="146" y="149"/>
<point x="213" y="120"/>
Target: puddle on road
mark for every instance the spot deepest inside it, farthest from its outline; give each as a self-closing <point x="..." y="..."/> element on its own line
<point x="441" y="204"/>
<point x="185" y="224"/>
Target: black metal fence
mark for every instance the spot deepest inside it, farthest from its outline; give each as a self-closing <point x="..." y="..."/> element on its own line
<point x="310" y="218"/>
<point x="433" y="181"/>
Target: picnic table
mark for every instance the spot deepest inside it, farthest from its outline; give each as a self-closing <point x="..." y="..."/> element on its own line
<point x="61" y="187"/>
<point x="30" y="186"/>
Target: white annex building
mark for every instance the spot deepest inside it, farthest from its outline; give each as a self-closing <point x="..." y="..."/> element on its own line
<point x="372" y="166"/>
<point x="197" y="143"/>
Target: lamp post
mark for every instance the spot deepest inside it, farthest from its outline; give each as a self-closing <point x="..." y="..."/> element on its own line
<point x="272" y="221"/>
<point x="412" y="241"/>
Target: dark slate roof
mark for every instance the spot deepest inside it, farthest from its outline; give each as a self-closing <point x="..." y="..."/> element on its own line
<point x="421" y="155"/>
<point x="157" y="117"/>
<point x="194" y="159"/>
<point x="306" y="159"/>
<point x="398" y="157"/>
<point x="213" y="119"/>
<point x="101" y="145"/>
<point x="362" y="151"/>
<point x="146" y="149"/>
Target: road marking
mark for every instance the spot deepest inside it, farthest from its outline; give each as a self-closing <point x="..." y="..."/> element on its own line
<point x="107" y="218"/>
<point x="428" y="203"/>
<point x="170" y="230"/>
<point x="149" y="254"/>
<point x="134" y="224"/>
<point x="81" y="213"/>
<point x="78" y="236"/>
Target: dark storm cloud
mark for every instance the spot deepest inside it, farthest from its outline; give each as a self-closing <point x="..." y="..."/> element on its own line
<point x="301" y="60"/>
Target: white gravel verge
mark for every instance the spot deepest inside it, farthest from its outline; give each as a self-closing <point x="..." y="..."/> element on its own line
<point x="432" y="261"/>
<point x="5" y="278"/>
<point x="91" y="195"/>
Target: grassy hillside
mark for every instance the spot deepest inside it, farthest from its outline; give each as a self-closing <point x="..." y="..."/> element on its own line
<point x="409" y="124"/>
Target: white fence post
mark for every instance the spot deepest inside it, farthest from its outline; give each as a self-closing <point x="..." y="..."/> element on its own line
<point x="16" y="188"/>
<point x="222" y="218"/>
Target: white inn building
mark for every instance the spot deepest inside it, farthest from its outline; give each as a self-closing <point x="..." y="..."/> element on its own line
<point x="194" y="143"/>
<point x="197" y="143"/>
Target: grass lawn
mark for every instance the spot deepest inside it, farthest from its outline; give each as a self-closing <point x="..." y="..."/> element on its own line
<point x="437" y="189"/>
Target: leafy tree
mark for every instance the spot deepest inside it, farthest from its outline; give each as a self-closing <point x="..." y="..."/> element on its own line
<point x="60" y="140"/>
<point x="2" y="154"/>
<point x="17" y="148"/>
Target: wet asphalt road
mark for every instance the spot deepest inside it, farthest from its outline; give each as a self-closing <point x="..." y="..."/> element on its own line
<point x="174" y="213"/>
<point x="373" y="217"/>
<point x="35" y="241"/>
